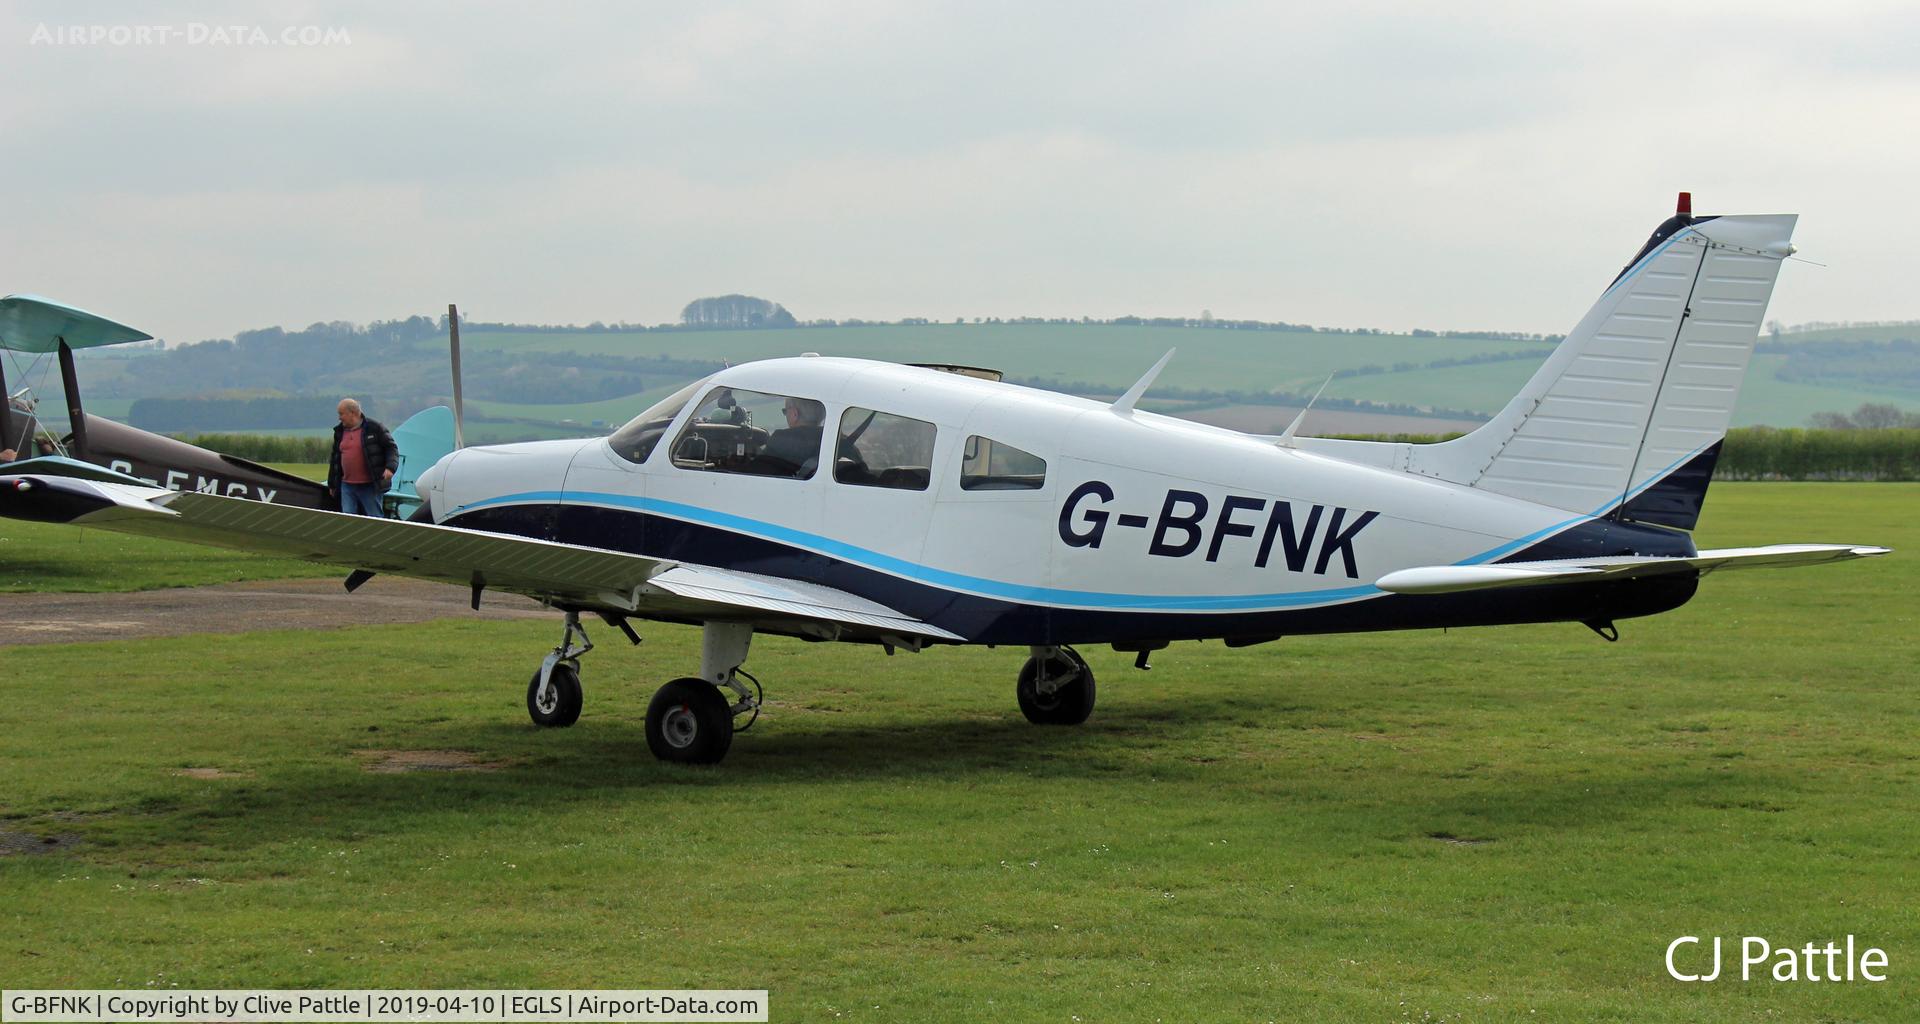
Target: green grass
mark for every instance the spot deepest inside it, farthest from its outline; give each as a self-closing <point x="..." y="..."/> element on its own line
<point x="1239" y="835"/>
<point x="49" y="558"/>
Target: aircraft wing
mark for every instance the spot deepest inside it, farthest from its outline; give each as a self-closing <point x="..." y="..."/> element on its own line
<point x="573" y="575"/>
<point x="1447" y="579"/>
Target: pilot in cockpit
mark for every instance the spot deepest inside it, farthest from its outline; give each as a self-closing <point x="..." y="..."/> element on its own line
<point x="798" y="443"/>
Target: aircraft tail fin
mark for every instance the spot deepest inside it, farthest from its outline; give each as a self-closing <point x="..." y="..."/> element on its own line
<point x="1627" y="415"/>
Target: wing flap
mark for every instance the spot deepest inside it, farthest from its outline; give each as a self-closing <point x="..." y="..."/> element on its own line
<point x="753" y="592"/>
<point x="1448" y="579"/>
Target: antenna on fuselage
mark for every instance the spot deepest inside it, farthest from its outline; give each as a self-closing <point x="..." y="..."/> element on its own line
<point x="453" y="342"/>
<point x="1285" y="440"/>
<point x="1124" y="405"/>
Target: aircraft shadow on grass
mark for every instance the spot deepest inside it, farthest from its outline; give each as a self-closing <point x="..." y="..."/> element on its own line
<point x="1144" y="740"/>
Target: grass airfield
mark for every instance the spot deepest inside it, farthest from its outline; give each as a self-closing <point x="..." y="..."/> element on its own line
<point x="1478" y="825"/>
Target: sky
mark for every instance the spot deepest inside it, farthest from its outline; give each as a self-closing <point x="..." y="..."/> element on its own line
<point x="1457" y="166"/>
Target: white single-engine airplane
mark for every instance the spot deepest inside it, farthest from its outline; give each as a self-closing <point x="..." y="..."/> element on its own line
<point x="843" y="499"/>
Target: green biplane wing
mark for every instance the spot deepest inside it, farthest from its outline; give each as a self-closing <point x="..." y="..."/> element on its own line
<point x="30" y="323"/>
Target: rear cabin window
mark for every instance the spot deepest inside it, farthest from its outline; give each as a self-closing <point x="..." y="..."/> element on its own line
<point x="879" y="449"/>
<point x="752" y="432"/>
<point x="989" y="465"/>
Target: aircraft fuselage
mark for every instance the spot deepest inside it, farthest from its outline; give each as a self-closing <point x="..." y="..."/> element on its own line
<point x="1135" y="528"/>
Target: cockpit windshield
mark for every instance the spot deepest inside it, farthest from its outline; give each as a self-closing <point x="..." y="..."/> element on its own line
<point x="635" y="441"/>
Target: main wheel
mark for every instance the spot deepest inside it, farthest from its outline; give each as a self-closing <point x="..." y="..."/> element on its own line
<point x="561" y="707"/>
<point x="689" y="722"/>
<point x="1071" y="700"/>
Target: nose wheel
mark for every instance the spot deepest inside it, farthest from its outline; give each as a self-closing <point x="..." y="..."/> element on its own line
<point x="557" y="705"/>
<point x="554" y="697"/>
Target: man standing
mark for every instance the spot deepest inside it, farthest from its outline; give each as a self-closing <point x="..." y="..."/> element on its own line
<point x="364" y="458"/>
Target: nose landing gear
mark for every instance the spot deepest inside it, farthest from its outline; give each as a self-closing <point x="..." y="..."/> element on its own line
<point x="553" y="694"/>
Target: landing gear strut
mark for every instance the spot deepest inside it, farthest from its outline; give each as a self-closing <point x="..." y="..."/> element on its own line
<point x="553" y="694"/>
<point x="1056" y="687"/>
<point x="691" y="721"/>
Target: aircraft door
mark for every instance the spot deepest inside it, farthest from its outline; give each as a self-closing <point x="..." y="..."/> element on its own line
<point x="880" y="497"/>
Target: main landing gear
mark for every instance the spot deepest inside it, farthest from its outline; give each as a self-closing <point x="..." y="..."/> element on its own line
<point x="690" y="721"/>
<point x="1056" y="687"/>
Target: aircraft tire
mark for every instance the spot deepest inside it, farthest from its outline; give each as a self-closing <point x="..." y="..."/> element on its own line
<point x="1068" y="705"/>
<point x="566" y="698"/>
<point x="689" y="722"/>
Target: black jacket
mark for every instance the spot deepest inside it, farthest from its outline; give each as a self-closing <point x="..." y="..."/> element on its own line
<point x="376" y="444"/>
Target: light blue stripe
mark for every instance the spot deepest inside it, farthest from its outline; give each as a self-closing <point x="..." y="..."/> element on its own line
<point x="938" y="577"/>
<point x="1014" y="591"/>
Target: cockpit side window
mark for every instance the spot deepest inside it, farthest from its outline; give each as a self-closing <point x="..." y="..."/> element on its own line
<point x="879" y="449"/>
<point x="752" y="432"/>
<point x="637" y="439"/>
<point x="989" y="465"/>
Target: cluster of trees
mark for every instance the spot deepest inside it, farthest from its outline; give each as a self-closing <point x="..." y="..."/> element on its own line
<point x="1870" y="416"/>
<point x="265" y="447"/>
<point x="1794" y="453"/>
<point x="735" y="311"/>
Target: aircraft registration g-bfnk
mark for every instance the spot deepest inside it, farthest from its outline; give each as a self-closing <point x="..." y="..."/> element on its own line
<point x="843" y="499"/>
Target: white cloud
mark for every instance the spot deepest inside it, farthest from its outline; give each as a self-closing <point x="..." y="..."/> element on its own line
<point x="1482" y="165"/>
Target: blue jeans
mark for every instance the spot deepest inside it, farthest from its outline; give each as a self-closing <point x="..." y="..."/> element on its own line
<point x="361" y="500"/>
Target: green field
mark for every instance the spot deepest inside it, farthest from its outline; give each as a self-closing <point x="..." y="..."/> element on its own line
<point x="1112" y="356"/>
<point x="1479" y="825"/>
<point x="1764" y="398"/>
<point x="1909" y="330"/>
<point x="1104" y="358"/>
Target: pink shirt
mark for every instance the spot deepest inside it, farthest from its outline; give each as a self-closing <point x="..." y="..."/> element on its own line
<point x="353" y="464"/>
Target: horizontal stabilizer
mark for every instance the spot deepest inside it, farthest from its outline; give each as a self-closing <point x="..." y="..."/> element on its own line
<point x="62" y="499"/>
<point x="60" y="465"/>
<point x="1448" y="579"/>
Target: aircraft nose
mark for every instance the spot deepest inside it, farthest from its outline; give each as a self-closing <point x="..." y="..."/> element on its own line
<point x="431" y="485"/>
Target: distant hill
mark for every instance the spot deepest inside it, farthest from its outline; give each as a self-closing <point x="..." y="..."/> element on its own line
<point x="536" y="381"/>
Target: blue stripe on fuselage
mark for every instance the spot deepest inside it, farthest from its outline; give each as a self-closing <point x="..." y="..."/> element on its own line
<point x="942" y="578"/>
